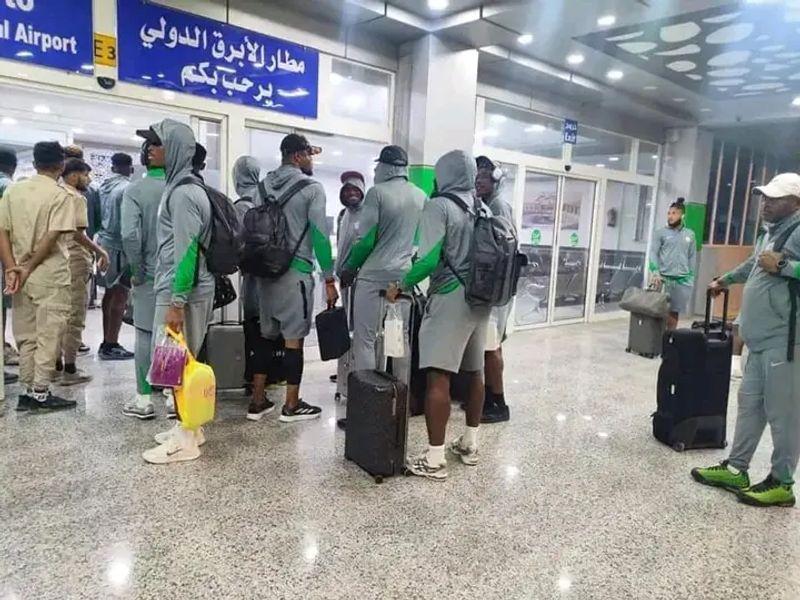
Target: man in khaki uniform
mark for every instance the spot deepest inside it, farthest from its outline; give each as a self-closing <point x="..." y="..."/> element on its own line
<point x="36" y="219"/>
<point x="82" y="251"/>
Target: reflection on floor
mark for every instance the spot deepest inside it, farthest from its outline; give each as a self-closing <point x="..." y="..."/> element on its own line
<point x="572" y="499"/>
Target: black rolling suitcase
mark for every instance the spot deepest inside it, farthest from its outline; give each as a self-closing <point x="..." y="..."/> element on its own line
<point x="693" y="385"/>
<point x="377" y="421"/>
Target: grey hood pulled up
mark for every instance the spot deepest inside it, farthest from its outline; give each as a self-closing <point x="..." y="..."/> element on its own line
<point x="179" y="147"/>
<point x="246" y="175"/>
<point x="384" y="172"/>
<point x="455" y="174"/>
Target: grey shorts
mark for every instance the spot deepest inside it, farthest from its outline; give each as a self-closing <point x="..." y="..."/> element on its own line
<point x="501" y="314"/>
<point x="144" y="306"/>
<point x="197" y="317"/>
<point x="286" y="305"/>
<point x="117" y="273"/>
<point x="680" y="295"/>
<point x="453" y="335"/>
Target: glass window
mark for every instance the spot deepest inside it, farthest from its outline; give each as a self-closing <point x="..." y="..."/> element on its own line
<point x="712" y="189"/>
<point x="753" y="202"/>
<point x="358" y="92"/>
<point x="536" y="240"/>
<point x="648" y="158"/>
<point x="602" y="149"/>
<point x="624" y="242"/>
<point x="208" y="136"/>
<point x="724" y="193"/>
<point x="522" y="131"/>
<point x="739" y="196"/>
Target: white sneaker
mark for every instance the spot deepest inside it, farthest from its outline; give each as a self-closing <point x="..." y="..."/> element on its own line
<point x="422" y="468"/>
<point x="181" y="446"/>
<point x="468" y="456"/>
<point x="140" y="407"/>
<point x="164" y="436"/>
<point x="736" y="367"/>
<point x="169" y="403"/>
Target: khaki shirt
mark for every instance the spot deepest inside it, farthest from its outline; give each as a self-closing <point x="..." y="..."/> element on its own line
<point x="76" y="251"/>
<point x="31" y="209"/>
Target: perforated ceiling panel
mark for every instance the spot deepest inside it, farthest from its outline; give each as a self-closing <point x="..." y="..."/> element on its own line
<point x="725" y="52"/>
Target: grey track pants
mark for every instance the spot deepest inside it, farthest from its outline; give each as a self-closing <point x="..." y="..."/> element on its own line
<point x="770" y="393"/>
<point x="142" y="353"/>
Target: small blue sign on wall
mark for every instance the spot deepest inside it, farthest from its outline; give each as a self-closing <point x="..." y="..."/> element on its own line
<point x="179" y="51"/>
<point x="52" y="33"/>
<point x="570" y="131"/>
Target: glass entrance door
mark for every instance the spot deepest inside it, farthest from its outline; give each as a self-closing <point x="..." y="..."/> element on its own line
<point x="555" y="233"/>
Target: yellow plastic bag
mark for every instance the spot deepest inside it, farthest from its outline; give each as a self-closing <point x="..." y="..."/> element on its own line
<point x="196" y="398"/>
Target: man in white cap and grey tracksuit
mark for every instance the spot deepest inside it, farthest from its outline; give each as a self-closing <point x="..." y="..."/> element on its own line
<point x="382" y="254"/>
<point x="770" y="389"/>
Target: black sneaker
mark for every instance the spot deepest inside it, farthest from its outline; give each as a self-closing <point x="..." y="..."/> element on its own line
<point x="301" y="412"/>
<point x="47" y="401"/>
<point x="495" y="413"/>
<point x="59" y="365"/>
<point x="9" y="378"/>
<point x="24" y="402"/>
<point x="83" y="350"/>
<point x="333" y="378"/>
<point x="256" y="411"/>
<point x="341" y="424"/>
<point x="113" y="352"/>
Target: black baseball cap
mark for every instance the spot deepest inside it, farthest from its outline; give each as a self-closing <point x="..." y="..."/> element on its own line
<point x="149" y="135"/>
<point x="484" y="162"/>
<point x="75" y="164"/>
<point x="393" y="155"/>
<point x="48" y="153"/>
<point x="120" y="159"/>
<point x="294" y="142"/>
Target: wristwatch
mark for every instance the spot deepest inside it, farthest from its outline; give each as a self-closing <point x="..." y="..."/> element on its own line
<point x="782" y="264"/>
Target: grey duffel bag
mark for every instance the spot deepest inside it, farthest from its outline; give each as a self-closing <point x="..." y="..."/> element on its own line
<point x="651" y="303"/>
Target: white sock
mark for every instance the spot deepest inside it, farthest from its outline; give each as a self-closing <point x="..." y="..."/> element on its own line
<point x="733" y="469"/>
<point x="436" y="455"/>
<point x="186" y="437"/>
<point x="143" y="400"/>
<point x="470" y="437"/>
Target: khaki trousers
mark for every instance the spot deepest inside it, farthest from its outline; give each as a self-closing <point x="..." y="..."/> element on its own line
<point x="80" y="271"/>
<point x="38" y="319"/>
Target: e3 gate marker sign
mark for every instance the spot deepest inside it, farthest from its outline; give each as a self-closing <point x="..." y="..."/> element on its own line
<point x="52" y="33"/>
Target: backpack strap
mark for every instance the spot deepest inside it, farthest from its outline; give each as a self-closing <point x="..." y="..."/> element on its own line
<point x="287" y="195"/>
<point x="794" y="291"/>
<point x="463" y="206"/>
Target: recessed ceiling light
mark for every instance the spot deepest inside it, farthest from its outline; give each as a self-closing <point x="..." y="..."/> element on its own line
<point x="575" y="59"/>
<point x="438" y="4"/>
<point x="525" y="39"/>
<point x="600" y="166"/>
<point x="118" y="121"/>
<point x="498" y="118"/>
<point x="8" y="121"/>
<point x="796" y="101"/>
<point x="650" y="88"/>
<point x="41" y="109"/>
<point x="24" y="54"/>
<point x="169" y="95"/>
<point x="77" y="131"/>
<point x="606" y="20"/>
<point x="705" y="110"/>
<point x="87" y="67"/>
<point x="536" y="128"/>
<point x="679" y="99"/>
<point x="615" y="74"/>
<point x="613" y="158"/>
<point x="654" y="156"/>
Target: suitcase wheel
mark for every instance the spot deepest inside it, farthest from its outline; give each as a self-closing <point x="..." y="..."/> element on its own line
<point x="378" y="479"/>
<point x="337" y="397"/>
<point x="679" y="446"/>
<point x="724" y="444"/>
<point x="628" y="349"/>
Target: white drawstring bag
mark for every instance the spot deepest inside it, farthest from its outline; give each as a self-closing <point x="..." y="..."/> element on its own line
<point x="493" y="340"/>
<point x="393" y="338"/>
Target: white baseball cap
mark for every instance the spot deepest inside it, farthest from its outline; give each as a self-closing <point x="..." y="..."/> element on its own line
<point x="785" y="184"/>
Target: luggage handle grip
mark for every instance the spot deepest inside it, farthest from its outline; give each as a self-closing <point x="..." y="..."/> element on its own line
<point x="725" y="299"/>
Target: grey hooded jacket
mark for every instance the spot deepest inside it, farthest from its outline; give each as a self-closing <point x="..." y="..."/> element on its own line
<point x="445" y="229"/>
<point x="305" y="208"/>
<point x="139" y="220"/>
<point x="184" y="223"/>
<point x="498" y="205"/>
<point x="387" y="226"/>
<point x="674" y="254"/>
<point x="347" y="233"/>
<point x="246" y="175"/>
<point x="764" y="315"/>
<point x="111" y="190"/>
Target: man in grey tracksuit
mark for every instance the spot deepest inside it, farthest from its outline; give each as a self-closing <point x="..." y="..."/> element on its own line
<point x="287" y="303"/>
<point x="183" y="286"/>
<point x="490" y="187"/>
<point x="770" y="389"/>
<point x="116" y="279"/>
<point x="348" y="228"/>
<point x="673" y="257"/>
<point x="382" y="254"/>
<point x="452" y="337"/>
<point x="139" y="219"/>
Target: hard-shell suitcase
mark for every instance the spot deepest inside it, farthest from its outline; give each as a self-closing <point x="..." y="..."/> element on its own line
<point x="333" y="334"/>
<point x="693" y="385"/>
<point x="225" y="353"/>
<point x="645" y="335"/>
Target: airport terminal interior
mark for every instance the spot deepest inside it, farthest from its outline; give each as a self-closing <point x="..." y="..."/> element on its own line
<point x="597" y="116"/>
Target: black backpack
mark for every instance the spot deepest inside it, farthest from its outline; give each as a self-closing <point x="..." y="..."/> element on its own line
<point x="222" y="254"/>
<point x="794" y="292"/>
<point x="495" y="260"/>
<point x="265" y="248"/>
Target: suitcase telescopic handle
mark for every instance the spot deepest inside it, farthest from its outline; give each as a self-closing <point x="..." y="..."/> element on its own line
<point x="709" y="298"/>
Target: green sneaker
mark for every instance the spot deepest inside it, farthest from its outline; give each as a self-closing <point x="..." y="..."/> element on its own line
<point x="769" y="492"/>
<point x="721" y="476"/>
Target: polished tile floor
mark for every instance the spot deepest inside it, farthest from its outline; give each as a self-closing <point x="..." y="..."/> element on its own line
<point x="572" y="499"/>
